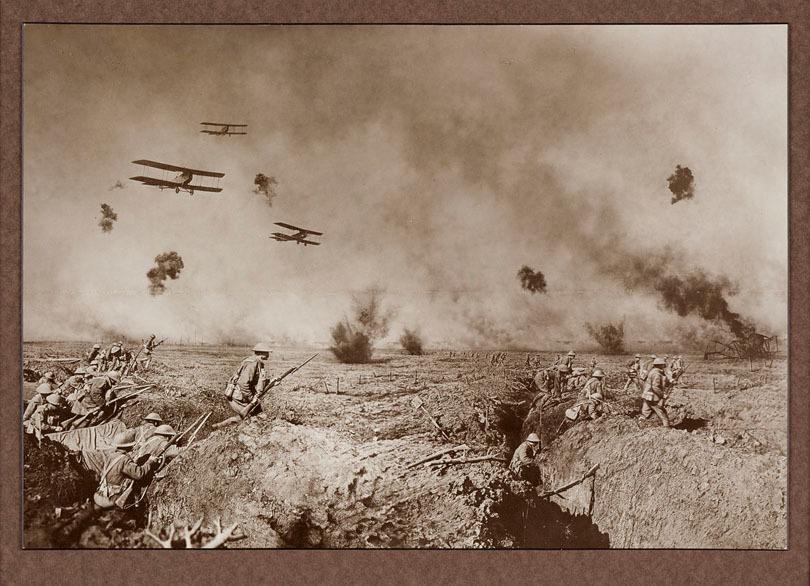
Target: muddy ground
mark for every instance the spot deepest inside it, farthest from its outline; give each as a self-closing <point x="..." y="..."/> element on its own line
<point x="328" y="465"/>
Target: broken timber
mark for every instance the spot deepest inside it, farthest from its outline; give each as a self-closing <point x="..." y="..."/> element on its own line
<point x="557" y="491"/>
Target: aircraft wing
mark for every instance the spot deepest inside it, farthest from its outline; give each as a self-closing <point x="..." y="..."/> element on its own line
<point x="281" y="237"/>
<point x="173" y="184"/>
<point x="154" y="181"/>
<point x="291" y="227"/>
<point x="229" y="132"/>
<point x="224" y="124"/>
<point x="166" y="167"/>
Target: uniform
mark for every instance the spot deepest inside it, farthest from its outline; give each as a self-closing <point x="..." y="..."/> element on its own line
<point x="593" y="393"/>
<point x="523" y="465"/>
<point x="559" y="377"/>
<point x="250" y="377"/>
<point x="653" y="395"/>
<point x="43" y="391"/>
<point x="99" y="389"/>
<point x="120" y="473"/>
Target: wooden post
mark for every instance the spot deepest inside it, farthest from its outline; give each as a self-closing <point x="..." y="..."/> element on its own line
<point x="338" y="386"/>
<point x="714" y="386"/>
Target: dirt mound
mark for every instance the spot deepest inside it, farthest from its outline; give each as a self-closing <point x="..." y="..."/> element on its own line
<point x="297" y="486"/>
<point x="52" y="482"/>
<point x="659" y="487"/>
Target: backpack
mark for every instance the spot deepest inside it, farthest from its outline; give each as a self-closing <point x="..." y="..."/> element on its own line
<point x="233" y="382"/>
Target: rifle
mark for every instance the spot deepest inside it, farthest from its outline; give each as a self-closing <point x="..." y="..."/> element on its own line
<point x="159" y="343"/>
<point x="74" y="421"/>
<point x="272" y="383"/>
<point x="179" y="435"/>
<point x="675" y="382"/>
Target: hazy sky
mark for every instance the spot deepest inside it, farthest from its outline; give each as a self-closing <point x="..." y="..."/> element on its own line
<point x="436" y="160"/>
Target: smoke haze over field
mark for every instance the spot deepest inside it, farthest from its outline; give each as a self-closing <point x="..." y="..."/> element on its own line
<point x="434" y="159"/>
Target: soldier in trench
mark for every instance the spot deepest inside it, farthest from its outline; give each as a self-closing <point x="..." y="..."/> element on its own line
<point x="245" y="385"/>
<point x="654" y="394"/>
<point x="523" y="465"/>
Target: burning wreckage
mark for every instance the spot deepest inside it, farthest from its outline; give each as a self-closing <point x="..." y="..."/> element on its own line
<point x="755" y="345"/>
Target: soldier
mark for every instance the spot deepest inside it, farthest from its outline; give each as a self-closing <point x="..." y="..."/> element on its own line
<point x="101" y="388"/>
<point x="559" y="378"/>
<point x="45" y="388"/>
<point x="93" y="353"/>
<point x="523" y="466"/>
<point x="146" y="359"/>
<point x="677" y="366"/>
<point x="568" y="359"/>
<point x="47" y="417"/>
<point x="120" y="473"/>
<point x="73" y="382"/>
<point x="594" y="394"/>
<point x="248" y="380"/>
<point x="556" y="361"/>
<point x="147" y="430"/>
<point x="655" y="392"/>
<point x="155" y="444"/>
<point x="633" y="369"/>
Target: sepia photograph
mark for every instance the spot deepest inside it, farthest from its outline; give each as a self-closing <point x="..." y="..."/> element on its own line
<point x="405" y="287"/>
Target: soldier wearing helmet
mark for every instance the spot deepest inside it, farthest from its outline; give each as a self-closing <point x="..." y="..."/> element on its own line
<point x="248" y="380"/>
<point x="120" y="473"/>
<point x="593" y="394"/>
<point x="100" y="391"/>
<point x="48" y="416"/>
<point x="559" y="378"/>
<point x="43" y="390"/>
<point x="633" y="370"/>
<point x="147" y="429"/>
<point x="156" y="443"/>
<point x="93" y="353"/>
<point x="568" y="360"/>
<point x="655" y="392"/>
<point x="523" y="465"/>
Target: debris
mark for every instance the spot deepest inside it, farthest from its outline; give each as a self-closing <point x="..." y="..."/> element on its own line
<point x="439" y="454"/>
<point x="570" y="484"/>
<point x="417" y="403"/>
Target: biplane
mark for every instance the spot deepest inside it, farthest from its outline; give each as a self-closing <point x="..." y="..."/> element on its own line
<point x="300" y="237"/>
<point x="224" y="128"/>
<point x="182" y="181"/>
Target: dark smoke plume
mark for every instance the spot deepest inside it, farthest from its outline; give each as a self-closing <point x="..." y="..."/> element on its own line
<point x="117" y="185"/>
<point x="169" y="265"/>
<point x="108" y="218"/>
<point x="695" y="293"/>
<point x="534" y="282"/>
<point x="265" y="186"/>
<point x="353" y="339"/>
<point x="608" y="336"/>
<point x="681" y="184"/>
<point x="412" y="342"/>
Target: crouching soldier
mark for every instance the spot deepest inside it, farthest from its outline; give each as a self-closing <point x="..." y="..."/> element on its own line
<point x="593" y="395"/>
<point x="101" y="388"/>
<point x="523" y="465"/>
<point x="48" y="416"/>
<point x="45" y="388"/>
<point x="245" y="385"/>
<point x="156" y="443"/>
<point x="654" y="393"/>
<point x="559" y="380"/>
<point x="146" y="430"/>
<point x="120" y="473"/>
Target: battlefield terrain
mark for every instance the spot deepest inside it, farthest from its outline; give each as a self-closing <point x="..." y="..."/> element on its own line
<point x="334" y="461"/>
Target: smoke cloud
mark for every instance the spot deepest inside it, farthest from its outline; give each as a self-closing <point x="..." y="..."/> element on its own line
<point x="353" y="338"/>
<point x="167" y="266"/>
<point x="265" y="186"/>
<point x="108" y="218"/>
<point x="117" y="185"/>
<point x="681" y="184"/>
<point x="531" y="281"/>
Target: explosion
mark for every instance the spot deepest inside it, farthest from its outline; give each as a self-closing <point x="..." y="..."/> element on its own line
<point x="681" y="184"/>
<point x="264" y="186"/>
<point x="534" y="282"/>
<point x="608" y="336"/>
<point x="108" y="218"/>
<point x="412" y="342"/>
<point x="117" y="185"/>
<point x="168" y="265"/>
<point x="353" y="339"/>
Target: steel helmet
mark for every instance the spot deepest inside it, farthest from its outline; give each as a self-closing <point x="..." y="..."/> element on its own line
<point x="91" y="370"/>
<point x="153" y="417"/>
<point x="262" y="348"/>
<point x="598" y="373"/>
<point x="45" y="389"/>
<point x="96" y="346"/>
<point x="638" y="356"/>
<point x="115" y="375"/>
<point x="48" y="375"/>
<point x="94" y="361"/>
<point x="80" y="370"/>
<point x="659" y="362"/>
<point x="55" y="399"/>
<point x="115" y="349"/>
<point x="124" y="439"/>
<point x="571" y="353"/>
<point x="533" y="438"/>
<point x="166" y="430"/>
